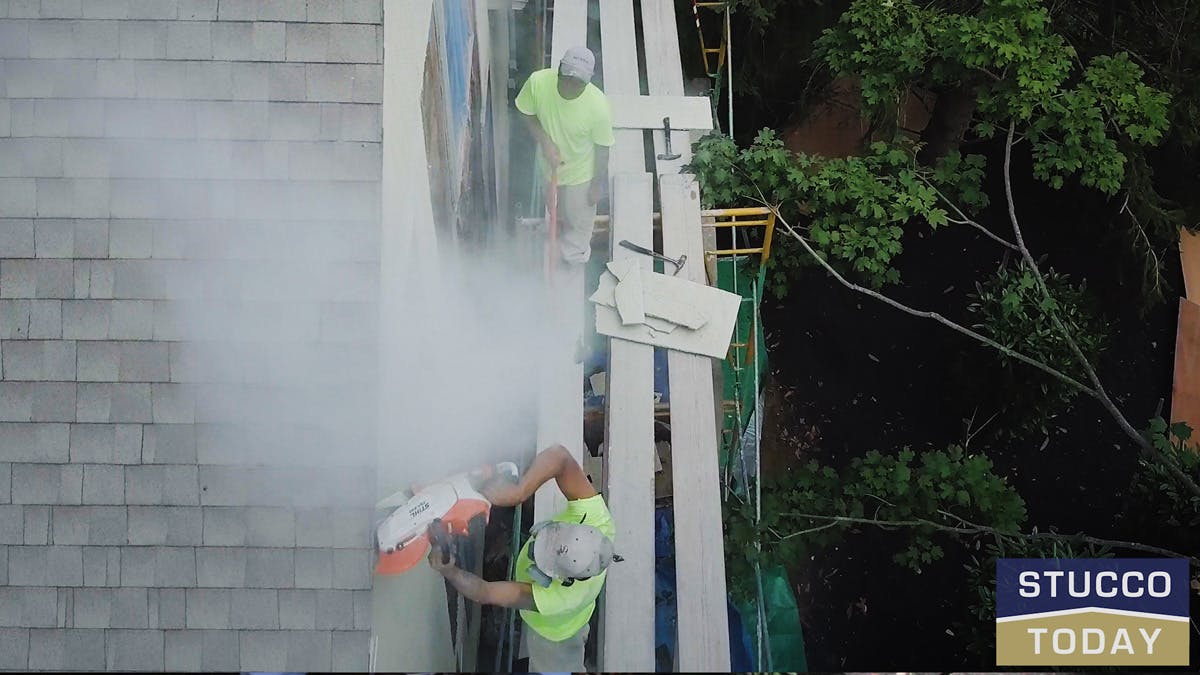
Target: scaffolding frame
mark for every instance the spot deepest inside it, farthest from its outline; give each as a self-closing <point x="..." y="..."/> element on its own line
<point x="743" y="356"/>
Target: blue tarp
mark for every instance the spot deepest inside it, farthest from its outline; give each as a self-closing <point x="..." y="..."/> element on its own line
<point x="666" y="612"/>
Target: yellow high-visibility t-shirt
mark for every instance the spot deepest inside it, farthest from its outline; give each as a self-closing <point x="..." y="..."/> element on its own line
<point x="563" y="610"/>
<point x="576" y="126"/>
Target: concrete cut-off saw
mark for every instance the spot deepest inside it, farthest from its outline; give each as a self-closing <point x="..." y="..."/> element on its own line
<point x="435" y="515"/>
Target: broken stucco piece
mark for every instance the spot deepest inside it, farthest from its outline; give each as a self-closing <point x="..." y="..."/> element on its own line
<point x="629" y="299"/>
<point x="671" y="300"/>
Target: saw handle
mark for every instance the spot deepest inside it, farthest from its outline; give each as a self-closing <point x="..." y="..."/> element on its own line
<point x="439" y="539"/>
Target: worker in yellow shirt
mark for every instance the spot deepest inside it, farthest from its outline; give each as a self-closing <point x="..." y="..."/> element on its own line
<point x="559" y="571"/>
<point x="572" y="123"/>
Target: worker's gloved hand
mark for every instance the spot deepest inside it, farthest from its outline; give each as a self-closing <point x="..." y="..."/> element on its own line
<point x="435" y="561"/>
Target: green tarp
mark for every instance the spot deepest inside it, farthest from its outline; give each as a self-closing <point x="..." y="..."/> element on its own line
<point x="784" y="642"/>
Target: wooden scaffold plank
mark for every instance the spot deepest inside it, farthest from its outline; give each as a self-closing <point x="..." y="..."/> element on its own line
<point x="664" y="77"/>
<point x="631" y="111"/>
<point x="560" y="392"/>
<point x="570" y="28"/>
<point x="703" y="642"/>
<point x="618" y="50"/>
<point x="628" y="616"/>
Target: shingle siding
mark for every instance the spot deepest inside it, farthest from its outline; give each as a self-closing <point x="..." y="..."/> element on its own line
<point x="174" y="175"/>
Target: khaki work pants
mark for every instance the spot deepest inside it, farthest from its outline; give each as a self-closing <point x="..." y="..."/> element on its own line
<point x="576" y="220"/>
<point x="558" y="657"/>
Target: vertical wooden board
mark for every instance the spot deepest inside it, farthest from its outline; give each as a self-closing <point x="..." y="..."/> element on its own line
<point x="560" y="394"/>
<point x="1189" y="254"/>
<point x="664" y="72"/>
<point x="409" y="622"/>
<point x="664" y="75"/>
<point x="570" y="28"/>
<point x="498" y="24"/>
<point x="628" y="618"/>
<point x="618" y="47"/>
<point x="618" y="50"/>
<point x="703" y="643"/>
<point x="1185" y="399"/>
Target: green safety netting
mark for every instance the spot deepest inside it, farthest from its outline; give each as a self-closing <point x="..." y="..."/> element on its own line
<point x="783" y="639"/>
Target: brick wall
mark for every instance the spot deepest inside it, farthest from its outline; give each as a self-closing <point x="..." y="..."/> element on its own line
<point x="189" y="200"/>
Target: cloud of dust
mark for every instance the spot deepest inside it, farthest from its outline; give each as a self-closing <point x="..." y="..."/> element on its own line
<point x="466" y="341"/>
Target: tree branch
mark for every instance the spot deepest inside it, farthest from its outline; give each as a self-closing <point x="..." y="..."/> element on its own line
<point x="966" y="220"/>
<point x="921" y="313"/>
<point x="1097" y="390"/>
<point x="969" y="528"/>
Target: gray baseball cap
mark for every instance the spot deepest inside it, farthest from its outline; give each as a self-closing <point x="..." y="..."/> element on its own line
<point x="571" y="550"/>
<point x="578" y="62"/>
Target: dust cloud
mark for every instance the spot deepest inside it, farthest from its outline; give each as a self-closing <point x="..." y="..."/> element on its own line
<point x="266" y="270"/>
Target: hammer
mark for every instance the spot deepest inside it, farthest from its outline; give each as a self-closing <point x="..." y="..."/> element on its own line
<point x="668" y="155"/>
<point x="645" y="251"/>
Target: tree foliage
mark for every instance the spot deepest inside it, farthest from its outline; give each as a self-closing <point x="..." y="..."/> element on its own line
<point x="1174" y="507"/>
<point x="939" y="486"/>
<point x="1011" y="309"/>
<point x="1019" y="72"/>
<point x="858" y="206"/>
<point x="1018" y="69"/>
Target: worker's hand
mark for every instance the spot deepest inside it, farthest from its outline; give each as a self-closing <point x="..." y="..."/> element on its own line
<point x="435" y="561"/>
<point x="553" y="159"/>
<point x="484" y="473"/>
<point x="596" y="191"/>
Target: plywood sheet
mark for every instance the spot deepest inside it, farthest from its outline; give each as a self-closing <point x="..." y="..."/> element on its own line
<point x="1189" y="253"/>
<point x="1185" y="400"/>
<point x="664" y="77"/>
<point x="703" y="642"/>
<point x="628" y="613"/>
<point x="647" y="112"/>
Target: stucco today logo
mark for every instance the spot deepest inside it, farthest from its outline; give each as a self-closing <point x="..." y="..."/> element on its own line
<point x="1119" y="611"/>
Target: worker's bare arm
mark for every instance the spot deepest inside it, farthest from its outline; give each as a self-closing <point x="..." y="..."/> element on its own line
<point x="500" y="593"/>
<point x="555" y="462"/>
<point x="543" y="139"/>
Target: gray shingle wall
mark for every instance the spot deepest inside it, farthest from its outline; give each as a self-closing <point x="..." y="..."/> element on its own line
<point x="189" y="226"/>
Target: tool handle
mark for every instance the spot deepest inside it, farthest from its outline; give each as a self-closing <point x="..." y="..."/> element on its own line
<point x="636" y="247"/>
<point x="439" y="538"/>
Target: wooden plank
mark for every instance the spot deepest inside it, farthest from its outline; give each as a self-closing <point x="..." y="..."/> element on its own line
<point x="628" y="615"/>
<point x="647" y="112"/>
<point x="703" y="643"/>
<point x="560" y="394"/>
<point x="618" y="50"/>
<point x="664" y="76"/>
<point x="410" y="625"/>
<point x="560" y="391"/>
<point x="570" y="28"/>
<point x="1185" y="400"/>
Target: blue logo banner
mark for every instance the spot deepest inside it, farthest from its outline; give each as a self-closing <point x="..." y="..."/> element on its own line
<point x="1036" y="585"/>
